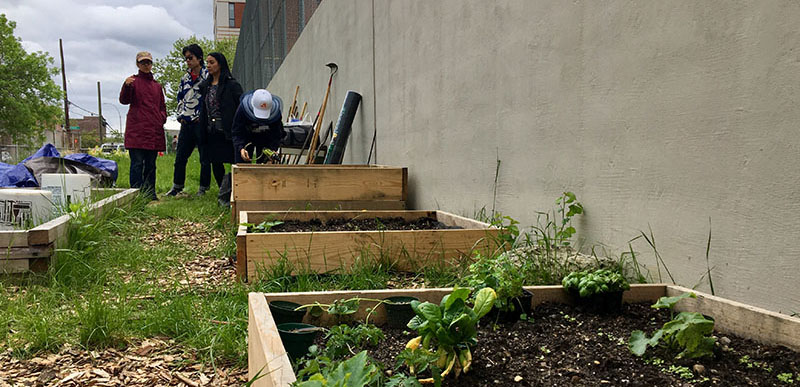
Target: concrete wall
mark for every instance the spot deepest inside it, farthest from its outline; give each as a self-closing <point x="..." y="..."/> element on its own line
<point x="656" y="114"/>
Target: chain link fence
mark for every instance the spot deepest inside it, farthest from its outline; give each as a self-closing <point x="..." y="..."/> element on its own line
<point x="269" y="30"/>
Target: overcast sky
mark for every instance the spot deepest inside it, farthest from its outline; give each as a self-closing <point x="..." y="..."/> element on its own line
<point x="101" y="39"/>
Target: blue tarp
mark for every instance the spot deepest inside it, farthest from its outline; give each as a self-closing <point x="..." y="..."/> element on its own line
<point x="47" y="150"/>
<point x="20" y="176"/>
<point x="16" y="176"/>
<point x="102" y="164"/>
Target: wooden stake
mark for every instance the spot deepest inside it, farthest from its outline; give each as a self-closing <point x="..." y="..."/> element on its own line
<point x="294" y="102"/>
<point x="303" y="112"/>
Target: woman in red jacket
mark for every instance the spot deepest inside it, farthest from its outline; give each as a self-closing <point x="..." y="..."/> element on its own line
<point x="144" y="127"/>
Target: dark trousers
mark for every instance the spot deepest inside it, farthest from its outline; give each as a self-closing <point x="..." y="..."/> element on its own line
<point x="219" y="173"/>
<point x="187" y="141"/>
<point x="143" y="170"/>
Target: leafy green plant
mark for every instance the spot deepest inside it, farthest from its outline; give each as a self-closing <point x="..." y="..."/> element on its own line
<point x="554" y="232"/>
<point x="357" y="371"/>
<point x="418" y="360"/>
<point x="450" y="328"/>
<point x="264" y="226"/>
<point x="509" y="227"/>
<point x="786" y="377"/>
<point x="687" y="332"/>
<point x="403" y="380"/>
<point x="600" y="281"/>
<point x="342" y="309"/>
<point x="499" y="273"/>
<point x="343" y="340"/>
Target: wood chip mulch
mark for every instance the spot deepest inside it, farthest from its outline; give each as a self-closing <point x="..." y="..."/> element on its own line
<point x="194" y="236"/>
<point x="152" y="362"/>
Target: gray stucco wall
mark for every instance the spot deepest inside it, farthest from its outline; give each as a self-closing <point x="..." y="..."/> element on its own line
<point x="656" y="114"/>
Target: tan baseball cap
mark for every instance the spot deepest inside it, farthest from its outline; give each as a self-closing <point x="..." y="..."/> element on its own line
<point x="143" y="55"/>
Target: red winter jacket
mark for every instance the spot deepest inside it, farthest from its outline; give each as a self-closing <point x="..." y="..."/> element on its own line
<point x="144" y="127"/>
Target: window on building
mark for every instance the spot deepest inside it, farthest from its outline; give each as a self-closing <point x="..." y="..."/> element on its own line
<point x="231" y="15"/>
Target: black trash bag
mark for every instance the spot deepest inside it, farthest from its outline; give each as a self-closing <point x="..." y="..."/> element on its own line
<point x="38" y="166"/>
<point x="294" y="136"/>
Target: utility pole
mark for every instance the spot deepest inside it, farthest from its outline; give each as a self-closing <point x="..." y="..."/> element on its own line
<point x="66" y="100"/>
<point x="100" y="127"/>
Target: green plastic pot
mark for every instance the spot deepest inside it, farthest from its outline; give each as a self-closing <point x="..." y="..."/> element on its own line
<point x="521" y="305"/>
<point x="398" y="311"/>
<point x="297" y="337"/>
<point x="284" y="312"/>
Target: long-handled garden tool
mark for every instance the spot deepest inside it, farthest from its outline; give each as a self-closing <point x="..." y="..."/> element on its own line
<point x="294" y="103"/>
<point x="310" y="159"/>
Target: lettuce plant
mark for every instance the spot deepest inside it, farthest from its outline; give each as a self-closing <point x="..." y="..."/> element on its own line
<point x="688" y="332"/>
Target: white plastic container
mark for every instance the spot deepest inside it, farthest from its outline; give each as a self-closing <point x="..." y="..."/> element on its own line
<point x="67" y="188"/>
<point x="24" y="208"/>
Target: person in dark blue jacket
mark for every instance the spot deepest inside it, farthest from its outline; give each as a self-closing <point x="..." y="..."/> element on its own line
<point x="257" y="125"/>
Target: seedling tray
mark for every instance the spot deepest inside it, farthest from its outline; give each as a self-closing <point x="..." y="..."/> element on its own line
<point x="267" y="355"/>
<point x="317" y="187"/>
<point x="32" y="249"/>
<point x="328" y="251"/>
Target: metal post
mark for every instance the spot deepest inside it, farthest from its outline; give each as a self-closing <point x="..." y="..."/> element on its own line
<point x="100" y="125"/>
<point x="66" y="100"/>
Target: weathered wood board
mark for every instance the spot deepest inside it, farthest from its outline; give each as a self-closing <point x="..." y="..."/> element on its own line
<point x="730" y="317"/>
<point x="407" y="250"/>
<point x="317" y="187"/>
<point x="31" y="250"/>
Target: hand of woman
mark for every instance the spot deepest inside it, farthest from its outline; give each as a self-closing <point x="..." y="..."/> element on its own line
<point x="129" y="80"/>
<point x="244" y="154"/>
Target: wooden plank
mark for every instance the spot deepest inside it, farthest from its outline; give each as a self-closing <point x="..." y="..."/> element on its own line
<point x="241" y="255"/>
<point x="304" y="216"/>
<point x="460" y="221"/>
<point x="39" y="265"/>
<point x="405" y="184"/>
<point x="314" y="205"/>
<point x="317" y="182"/>
<point x="241" y="249"/>
<point x="49" y="232"/>
<point x="13" y="238"/>
<point x="742" y="319"/>
<point x="265" y="353"/>
<point x="40" y="251"/>
<point x="10" y="266"/>
<point x="408" y="250"/>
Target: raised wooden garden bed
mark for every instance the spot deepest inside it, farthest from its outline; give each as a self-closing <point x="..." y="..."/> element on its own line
<point x="266" y="352"/>
<point x="326" y="251"/>
<point x="318" y="187"/>
<point x="32" y="249"/>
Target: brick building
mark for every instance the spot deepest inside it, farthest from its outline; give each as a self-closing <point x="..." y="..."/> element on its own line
<point x="228" y="18"/>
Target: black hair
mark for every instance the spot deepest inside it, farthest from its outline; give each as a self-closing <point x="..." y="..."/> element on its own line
<point x="195" y="50"/>
<point x="223" y="64"/>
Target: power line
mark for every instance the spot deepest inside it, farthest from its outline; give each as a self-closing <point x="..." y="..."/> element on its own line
<point x="86" y="110"/>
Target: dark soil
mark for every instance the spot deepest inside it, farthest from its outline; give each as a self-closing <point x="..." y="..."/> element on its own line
<point x="370" y="224"/>
<point x="564" y="346"/>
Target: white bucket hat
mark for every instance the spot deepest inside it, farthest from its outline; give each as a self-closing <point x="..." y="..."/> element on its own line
<point x="261" y="102"/>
